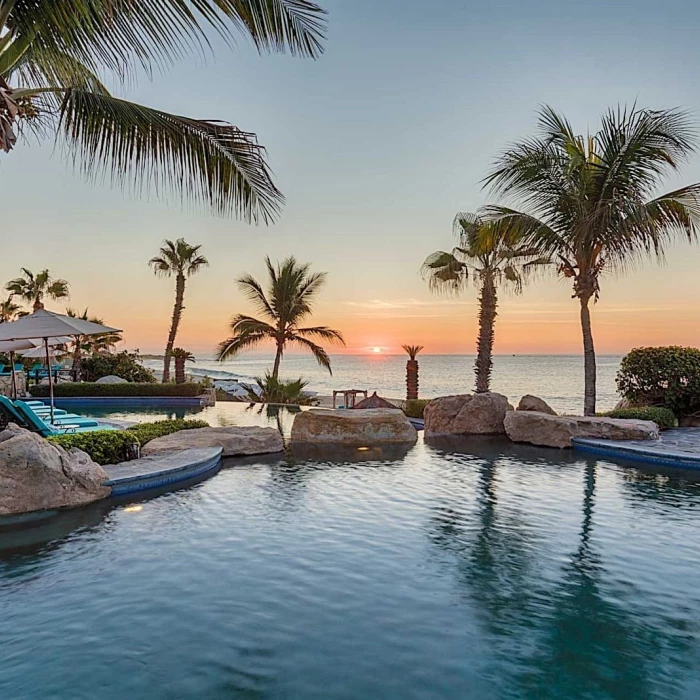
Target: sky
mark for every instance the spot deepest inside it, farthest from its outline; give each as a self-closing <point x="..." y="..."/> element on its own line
<point x="376" y="146"/>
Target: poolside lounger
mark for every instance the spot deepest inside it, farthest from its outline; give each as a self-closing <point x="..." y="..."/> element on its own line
<point x="60" y="419"/>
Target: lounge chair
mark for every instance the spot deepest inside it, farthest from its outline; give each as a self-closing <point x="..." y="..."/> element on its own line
<point x="59" y="419"/>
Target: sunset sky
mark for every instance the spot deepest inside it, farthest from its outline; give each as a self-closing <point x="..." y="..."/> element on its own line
<point x="376" y="146"/>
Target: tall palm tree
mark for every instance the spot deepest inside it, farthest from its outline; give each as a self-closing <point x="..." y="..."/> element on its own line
<point x="589" y="203"/>
<point x="9" y="311"/>
<point x="291" y="291"/>
<point x="52" y="59"/>
<point x="412" y="371"/>
<point x="490" y="254"/>
<point x="35" y="288"/>
<point x="181" y="260"/>
<point x="91" y="344"/>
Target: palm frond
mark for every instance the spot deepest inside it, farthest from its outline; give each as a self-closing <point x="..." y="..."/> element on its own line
<point x="323" y="333"/>
<point x="254" y="292"/>
<point x="207" y="162"/>
<point x="232" y="346"/>
<point x="316" y="350"/>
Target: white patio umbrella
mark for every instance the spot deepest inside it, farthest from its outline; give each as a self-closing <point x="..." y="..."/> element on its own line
<point x="48" y="325"/>
<point x="41" y="353"/>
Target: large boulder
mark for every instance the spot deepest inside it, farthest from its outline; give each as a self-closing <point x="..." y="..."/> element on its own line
<point x="535" y="403"/>
<point x="466" y="414"/>
<point x="111" y="379"/>
<point x="370" y="426"/>
<point x="36" y="475"/>
<point x="235" y="441"/>
<point x="558" y="431"/>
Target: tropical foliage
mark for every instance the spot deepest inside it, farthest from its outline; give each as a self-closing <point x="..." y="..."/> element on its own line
<point x="286" y="391"/>
<point x="663" y="417"/>
<point x="122" y="364"/>
<point x="181" y="260"/>
<point x="414" y="408"/>
<point x="589" y="203"/>
<point x="181" y="356"/>
<point x="52" y="59"/>
<point x="664" y="376"/>
<point x="291" y="291"/>
<point x="34" y="288"/>
<point x="490" y="254"/>
<point x="152" y="388"/>
<point x="10" y="311"/>
<point x="91" y="344"/>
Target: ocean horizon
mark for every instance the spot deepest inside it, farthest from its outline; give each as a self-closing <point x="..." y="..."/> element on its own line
<point x="558" y="379"/>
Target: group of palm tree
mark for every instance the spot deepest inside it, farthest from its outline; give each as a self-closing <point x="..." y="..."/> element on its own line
<point x="585" y="207"/>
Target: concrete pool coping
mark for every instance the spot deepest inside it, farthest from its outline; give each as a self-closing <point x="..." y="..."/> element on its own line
<point x="161" y="470"/>
<point x="678" y="447"/>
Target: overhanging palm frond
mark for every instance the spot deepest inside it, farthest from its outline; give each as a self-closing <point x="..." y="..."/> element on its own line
<point x="445" y="273"/>
<point x="254" y="292"/>
<point x="232" y="346"/>
<point x="211" y="163"/>
<point x="316" y="350"/>
<point x="323" y="333"/>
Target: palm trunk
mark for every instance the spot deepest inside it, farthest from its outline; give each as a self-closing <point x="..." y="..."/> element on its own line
<point x="177" y="315"/>
<point x="278" y="359"/>
<point x="589" y="368"/>
<point x="411" y="379"/>
<point x="488" y="301"/>
<point x="76" y="359"/>
<point x="179" y="370"/>
<point x="38" y="304"/>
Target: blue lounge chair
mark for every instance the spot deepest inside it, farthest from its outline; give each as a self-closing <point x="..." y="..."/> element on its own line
<point x="20" y="413"/>
<point x="4" y="369"/>
<point x="59" y="419"/>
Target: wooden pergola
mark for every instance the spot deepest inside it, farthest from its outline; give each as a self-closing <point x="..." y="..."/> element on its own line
<point x="349" y="396"/>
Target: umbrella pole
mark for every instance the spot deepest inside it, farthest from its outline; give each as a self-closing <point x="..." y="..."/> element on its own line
<point x="14" y="375"/>
<point x="48" y="364"/>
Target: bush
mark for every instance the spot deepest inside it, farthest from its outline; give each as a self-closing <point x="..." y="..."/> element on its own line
<point x="663" y="417"/>
<point x="122" y="364"/>
<point x="283" y="391"/>
<point x="111" y="446"/>
<point x="414" y="408"/>
<point x="103" y="446"/>
<point x="77" y="389"/>
<point x="665" y="376"/>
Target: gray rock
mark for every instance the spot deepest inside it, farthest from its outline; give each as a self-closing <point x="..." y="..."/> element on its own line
<point x="467" y="414"/>
<point x="235" y="441"/>
<point x="367" y="427"/>
<point x="557" y="431"/>
<point x="534" y="403"/>
<point x="36" y="475"/>
<point x="111" y="379"/>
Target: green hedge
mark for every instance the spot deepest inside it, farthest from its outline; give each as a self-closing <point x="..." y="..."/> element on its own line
<point x="663" y="417"/>
<point x="77" y="389"/>
<point x="414" y="408"/>
<point x="110" y="446"/>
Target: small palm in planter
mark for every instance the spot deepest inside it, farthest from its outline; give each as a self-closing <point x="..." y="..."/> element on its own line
<point x="412" y="371"/>
<point x="181" y="356"/>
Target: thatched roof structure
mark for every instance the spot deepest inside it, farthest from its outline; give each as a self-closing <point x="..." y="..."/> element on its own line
<point x="374" y="401"/>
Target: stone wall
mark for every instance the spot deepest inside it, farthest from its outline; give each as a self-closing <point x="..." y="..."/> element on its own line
<point x="6" y="384"/>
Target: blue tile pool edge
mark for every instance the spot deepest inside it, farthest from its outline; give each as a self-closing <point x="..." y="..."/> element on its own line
<point x="670" y="459"/>
<point x="127" y="485"/>
<point x="112" y="401"/>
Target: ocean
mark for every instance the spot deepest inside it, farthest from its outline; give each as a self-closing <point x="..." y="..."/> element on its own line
<point x="558" y="379"/>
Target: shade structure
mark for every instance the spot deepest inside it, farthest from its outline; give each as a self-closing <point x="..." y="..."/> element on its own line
<point x="41" y="353"/>
<point x="374" y="401"/>
<point x="49" y="325"/>
<point x="30" y="344"/>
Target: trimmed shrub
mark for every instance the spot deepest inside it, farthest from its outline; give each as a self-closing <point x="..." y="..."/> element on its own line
<point x="664" y="376"/>
<point x="414" y="408"/>
<point x="103" y="446"/>
<point x="77" y="389"/>
<point x="122" y="364"/>
<point x="663" y="417"/>
<point x="111" y="446"/>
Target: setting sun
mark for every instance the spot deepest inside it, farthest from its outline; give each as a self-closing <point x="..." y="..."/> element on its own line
<point x="376" y="349"/>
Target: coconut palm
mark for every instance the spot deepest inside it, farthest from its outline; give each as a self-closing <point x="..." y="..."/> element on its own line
<point x="181" y="356"/>
<point x="52" y="59"/>
<point x="91" y="344"/>
<point x="490" y="254"/>
<point x="35" y="288"/>
<point x="412" y="370"/>
<point x="181" y="260"/>
<point x="589" y="202"/>
<point x="291" y="292"/>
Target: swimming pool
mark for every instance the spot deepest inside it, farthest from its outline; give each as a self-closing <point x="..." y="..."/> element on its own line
<point x="464" y="569"/>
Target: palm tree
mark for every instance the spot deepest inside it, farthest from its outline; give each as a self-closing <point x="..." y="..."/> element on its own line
<point x="181" y="356"/>
<point x="491" y="254"/>
<point x="292" y="289"/>
<point x="91" y="344"/>
<point x="588" y="202"/>
<point x="181" y="260"/>
<point x="52" y="57"/>
<point x="35" y="288"/>
<point x="9" y="311"/>
<point x="412" y="370"/>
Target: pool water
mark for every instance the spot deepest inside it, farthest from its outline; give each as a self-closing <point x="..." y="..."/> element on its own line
<point x="462" y="569"/>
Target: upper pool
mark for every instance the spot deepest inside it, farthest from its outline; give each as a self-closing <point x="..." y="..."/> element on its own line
<point x="470" y="569"/>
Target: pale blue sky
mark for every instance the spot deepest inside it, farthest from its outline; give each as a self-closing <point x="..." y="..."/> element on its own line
<point x="376" y="146"/>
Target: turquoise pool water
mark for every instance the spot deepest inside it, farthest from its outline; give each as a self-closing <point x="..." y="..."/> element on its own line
<point x="457" y="570"/>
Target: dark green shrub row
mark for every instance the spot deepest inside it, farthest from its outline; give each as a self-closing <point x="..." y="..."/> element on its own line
<point x="121" y="364"/>
<point x="414" y="408"/>
<point x="663" y="417"/>
<point x="665" y="376"/>
<point x="76" y="389"/>
<point x="110" y="446"/>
